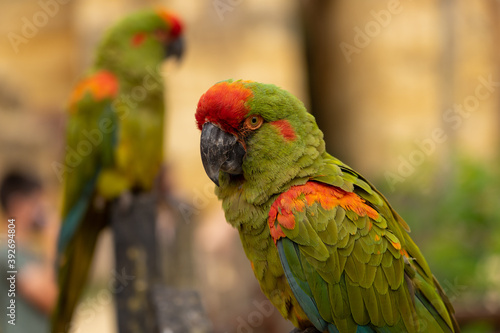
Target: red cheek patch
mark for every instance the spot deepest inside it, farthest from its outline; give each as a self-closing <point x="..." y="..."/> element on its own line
<point x="138" y="38"/>
<point x="285" y="128"/>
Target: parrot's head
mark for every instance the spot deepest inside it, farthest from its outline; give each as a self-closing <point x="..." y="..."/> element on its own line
<point x="141" y="40"/>
<point x="257" y="136"/>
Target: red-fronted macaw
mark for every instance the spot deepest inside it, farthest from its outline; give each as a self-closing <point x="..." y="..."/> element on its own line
<point x="326" y="247"/>
<point x="114" y="139"/>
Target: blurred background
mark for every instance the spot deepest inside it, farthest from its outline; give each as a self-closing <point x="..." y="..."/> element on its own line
<point x="407" y="93"/>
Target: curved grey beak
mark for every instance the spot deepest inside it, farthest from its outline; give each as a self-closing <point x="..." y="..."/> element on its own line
<point x="176" y="48"/>
<point x="220" y="151"/>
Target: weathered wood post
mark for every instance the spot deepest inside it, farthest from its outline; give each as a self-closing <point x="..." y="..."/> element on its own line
<point x="133" y="226"/>
<point x="148" y="304"/>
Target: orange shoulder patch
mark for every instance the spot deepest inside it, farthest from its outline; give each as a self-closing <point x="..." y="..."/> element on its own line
<point x="298" y="197"/>
<point x="100" y="85"/>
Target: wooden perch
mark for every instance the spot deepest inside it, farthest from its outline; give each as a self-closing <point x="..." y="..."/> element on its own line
<point x="133" y="224"/>
<point x="179" y="311"/>
<point x="147" y="305"/>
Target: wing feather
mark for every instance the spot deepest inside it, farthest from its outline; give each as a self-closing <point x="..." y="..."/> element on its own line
<point x="89" y="150"/>
<point x="352" y="260"/>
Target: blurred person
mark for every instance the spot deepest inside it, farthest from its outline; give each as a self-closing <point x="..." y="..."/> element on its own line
<point x="21" y="198"/>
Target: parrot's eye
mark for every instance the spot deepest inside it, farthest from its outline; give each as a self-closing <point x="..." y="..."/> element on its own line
<point x="161" y="35"/>
<point x="254" y="122"/>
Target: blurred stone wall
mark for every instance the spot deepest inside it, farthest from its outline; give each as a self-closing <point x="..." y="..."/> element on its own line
<point x="390" y="77"/>
<point x="387" y="80"/>
<point x="36" y="71"/>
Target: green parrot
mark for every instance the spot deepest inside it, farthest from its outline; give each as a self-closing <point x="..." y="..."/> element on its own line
<point x="114" y="139"/>
<point x="327" y="248"/>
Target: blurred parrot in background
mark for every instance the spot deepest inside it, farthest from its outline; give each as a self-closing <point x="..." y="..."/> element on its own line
<point x="114" y="139"/>
<point x="326" y="247"/>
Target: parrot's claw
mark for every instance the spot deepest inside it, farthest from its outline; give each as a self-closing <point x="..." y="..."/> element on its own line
<point x="307" y="330"/>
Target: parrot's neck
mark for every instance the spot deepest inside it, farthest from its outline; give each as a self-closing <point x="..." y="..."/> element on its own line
<point x="138" y="80"/>
<point x="138" y="86"/>
<point x="265" y="178"/>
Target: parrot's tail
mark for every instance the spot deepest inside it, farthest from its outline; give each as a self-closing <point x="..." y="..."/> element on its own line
<point x="74" y="266"/>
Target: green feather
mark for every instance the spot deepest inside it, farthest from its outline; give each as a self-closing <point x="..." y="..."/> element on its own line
<point x="372" y="306"/>
<point x="387" y="305"/>
<point x="360" y="252"/>
<point x="358" y="310"/>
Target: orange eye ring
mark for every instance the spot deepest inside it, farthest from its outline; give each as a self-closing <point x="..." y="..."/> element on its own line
<point x="161" y="35"/>
<point x="254" y="122"/>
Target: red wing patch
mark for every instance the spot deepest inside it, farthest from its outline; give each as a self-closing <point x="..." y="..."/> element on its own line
<point x="101" y="85"/>
<point x="224" y="104"/>
<point x="296" y="198"/>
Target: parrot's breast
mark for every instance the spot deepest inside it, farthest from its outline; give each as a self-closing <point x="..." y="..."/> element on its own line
<point x="259" y="247"/>
<point x="139" y="151"/>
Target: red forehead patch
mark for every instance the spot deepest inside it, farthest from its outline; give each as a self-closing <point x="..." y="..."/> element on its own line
<point x="224" y="104"/>
<point x="173" y="22"/>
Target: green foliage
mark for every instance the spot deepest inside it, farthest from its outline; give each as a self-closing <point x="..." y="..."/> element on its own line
<point x="478" y="328"/>
<point x="456" y="224"/>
